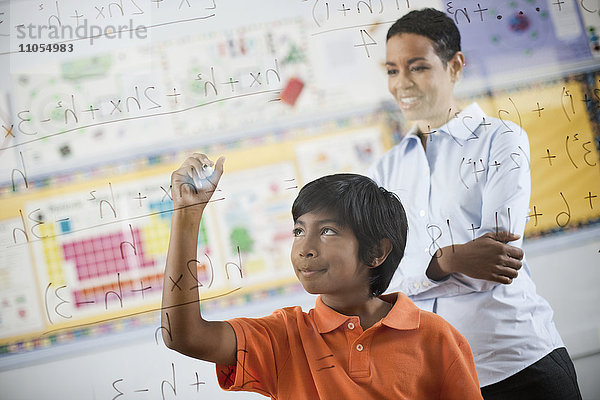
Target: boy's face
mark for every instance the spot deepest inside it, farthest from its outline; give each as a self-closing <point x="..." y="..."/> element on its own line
<point x="325" y="257"/>
<point x="418" y="79"/>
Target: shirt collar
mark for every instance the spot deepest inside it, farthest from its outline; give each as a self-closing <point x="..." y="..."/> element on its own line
<point x="460" y="126"/>
<point x="404" y="315"/>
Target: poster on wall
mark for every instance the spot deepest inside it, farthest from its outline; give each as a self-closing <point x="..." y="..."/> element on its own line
<point x="255" y="223"/>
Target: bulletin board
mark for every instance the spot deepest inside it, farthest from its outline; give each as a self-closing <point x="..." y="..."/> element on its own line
<point x="88" y="259"/>
<point x="526" y="35"/>
<point x="563" y="138"/>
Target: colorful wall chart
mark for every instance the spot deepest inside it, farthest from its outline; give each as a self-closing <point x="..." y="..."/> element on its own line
<point x="93" y="251"/>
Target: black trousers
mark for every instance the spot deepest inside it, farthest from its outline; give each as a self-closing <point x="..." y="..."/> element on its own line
<point x="552" y="377"/>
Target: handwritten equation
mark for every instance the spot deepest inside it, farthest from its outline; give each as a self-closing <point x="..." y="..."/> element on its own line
<point x="174" y="384"/>
<point x="173" y="87"/>
<point x="69" y="115"/>
<point x="508" y="24"/>
<point x="123" y="388"/>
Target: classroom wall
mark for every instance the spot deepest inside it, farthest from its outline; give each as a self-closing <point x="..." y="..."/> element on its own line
<point x="288" y="91"/>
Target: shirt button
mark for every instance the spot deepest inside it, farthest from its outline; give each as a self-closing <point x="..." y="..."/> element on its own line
<point x="425" y="283"/>
<point x="350" y="325"/>
<point x="359" y="347"/>
<point x="422" y="213"/>
<point x="416" y="285"/>
<point x="426" y="249"/>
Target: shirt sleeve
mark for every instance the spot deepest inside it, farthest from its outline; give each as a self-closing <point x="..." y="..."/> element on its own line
<point x="262" y="346"/>
<point x="504" y="207"/>
<point x="506" y="195"/>
<point x="460" y="380"/>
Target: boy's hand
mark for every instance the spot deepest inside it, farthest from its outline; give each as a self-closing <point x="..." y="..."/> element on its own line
<point x="193" y="184"/>
<point x="488" y="257"/>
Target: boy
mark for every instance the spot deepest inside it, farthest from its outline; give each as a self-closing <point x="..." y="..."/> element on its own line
<point x="464" y="180"/>
<point x="349" y="236"/>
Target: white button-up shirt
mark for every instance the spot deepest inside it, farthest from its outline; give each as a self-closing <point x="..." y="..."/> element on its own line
<point x="473" y="178"/>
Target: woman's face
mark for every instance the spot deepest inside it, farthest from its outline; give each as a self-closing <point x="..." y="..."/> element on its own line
<point x="420" y="81"/>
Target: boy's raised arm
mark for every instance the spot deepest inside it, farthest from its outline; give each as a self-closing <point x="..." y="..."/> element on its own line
<point x="185" y="329"/>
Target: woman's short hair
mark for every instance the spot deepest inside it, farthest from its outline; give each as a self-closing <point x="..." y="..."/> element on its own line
<point x="433" y="24"/>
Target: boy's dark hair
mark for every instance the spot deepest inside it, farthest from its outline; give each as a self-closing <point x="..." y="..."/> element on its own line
<point x="432" y="24"/>
<point x="372" y="213"/>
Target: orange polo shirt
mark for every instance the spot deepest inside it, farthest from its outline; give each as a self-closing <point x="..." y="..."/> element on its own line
<point x="409" y="354"/>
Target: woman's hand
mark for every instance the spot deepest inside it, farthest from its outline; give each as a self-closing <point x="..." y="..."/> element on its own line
<point x="488" y="257"/>
<point x="194" y="183"/>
